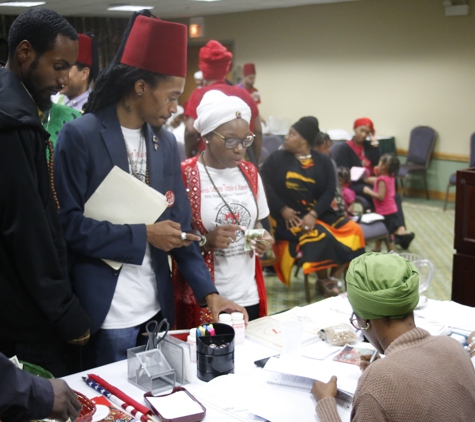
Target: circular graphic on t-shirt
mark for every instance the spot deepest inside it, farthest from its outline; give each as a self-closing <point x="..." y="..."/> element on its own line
<point x="243" y="216"/>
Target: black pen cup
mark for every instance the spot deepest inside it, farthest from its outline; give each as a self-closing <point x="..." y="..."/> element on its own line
<point x="215" y="354"/>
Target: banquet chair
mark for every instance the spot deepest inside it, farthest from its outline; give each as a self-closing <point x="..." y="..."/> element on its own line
<point x="264" y="155"/>
<point x="421" y="146"/>
<point x="181" y="151"/>
<point x="271" y="143"/>
<point x="453" y="177"/>
<point x="335" y="150"/>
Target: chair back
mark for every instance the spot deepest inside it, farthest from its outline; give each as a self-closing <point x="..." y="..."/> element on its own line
<point x="271" y="143"/>
<point x="264" y="155"/>
<point x="181" y="151"/>
<point x="421" y="145"/>
<point x="471" y="162"/>
<point x="335" y="150"/>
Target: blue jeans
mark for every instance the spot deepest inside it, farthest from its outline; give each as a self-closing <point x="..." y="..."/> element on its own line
<point x="111" y="345"/>
<point x="108" y="346"/>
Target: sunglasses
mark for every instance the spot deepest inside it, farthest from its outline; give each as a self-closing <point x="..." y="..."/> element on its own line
<point x="234" y="142"/>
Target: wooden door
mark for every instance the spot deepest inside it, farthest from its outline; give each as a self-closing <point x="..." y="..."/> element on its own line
<point x="463" y="274"/>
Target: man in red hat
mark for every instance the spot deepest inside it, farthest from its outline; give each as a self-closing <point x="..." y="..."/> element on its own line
<point x="133" y="97"/>
<point x="82" y="74"/>
<point x="215" y="62"/>
<point x="248" y="81"/>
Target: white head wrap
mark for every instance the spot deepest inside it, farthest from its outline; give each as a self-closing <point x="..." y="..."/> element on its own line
<point x="216" y="109"/>
<point x="198" y="75"/>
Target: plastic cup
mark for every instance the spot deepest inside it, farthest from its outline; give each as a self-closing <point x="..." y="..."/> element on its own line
<point x="291" y="337"/>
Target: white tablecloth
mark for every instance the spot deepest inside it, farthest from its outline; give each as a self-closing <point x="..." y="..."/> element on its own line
<point x="248" y="387"/>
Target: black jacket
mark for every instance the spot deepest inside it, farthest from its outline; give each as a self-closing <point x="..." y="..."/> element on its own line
<point x="23" y="396"/>
<point x="36" y="300"/>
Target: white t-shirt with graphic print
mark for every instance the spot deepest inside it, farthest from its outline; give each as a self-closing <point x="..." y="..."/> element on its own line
<point x="135" y="298"/>
<point x="234" y="269"/>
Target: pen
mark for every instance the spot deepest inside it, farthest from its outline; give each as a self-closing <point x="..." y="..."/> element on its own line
<point x="373" y="357"/>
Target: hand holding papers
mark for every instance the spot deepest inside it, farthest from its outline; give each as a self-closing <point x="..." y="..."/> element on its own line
<point x="357" y="173"/>
<point x="123" y="199"/>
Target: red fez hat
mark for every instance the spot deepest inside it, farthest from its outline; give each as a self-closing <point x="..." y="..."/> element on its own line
<point x="157" y="46"/>
<point x="364" y="121"/>
<point x="214" y="61"/>
<point x="85" y="50"/>
<point x="249" y="69"/>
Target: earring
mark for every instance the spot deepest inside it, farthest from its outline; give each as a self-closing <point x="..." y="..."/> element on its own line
<point x="367" y="326"/>
<point x="139" y="94"/>
<point x="206" y="142"/>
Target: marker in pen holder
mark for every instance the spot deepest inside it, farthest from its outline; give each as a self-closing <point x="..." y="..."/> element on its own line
<point x="215" y="353"/>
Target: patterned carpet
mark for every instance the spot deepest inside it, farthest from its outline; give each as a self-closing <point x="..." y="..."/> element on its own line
<point x="434" y="240"/>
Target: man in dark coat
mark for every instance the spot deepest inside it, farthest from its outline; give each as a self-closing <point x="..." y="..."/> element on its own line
<point x="25" y="397"/>
<point x="39" y="313"/>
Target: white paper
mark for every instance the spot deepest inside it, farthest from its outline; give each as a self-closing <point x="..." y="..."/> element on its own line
<point x="319" y="350"/>
<point x="123" y="199"/>
<point x="356" y="173"/>
<point x="175" y="405"/>
<point x="371" y="217"/>
<point x="348" y="375"/>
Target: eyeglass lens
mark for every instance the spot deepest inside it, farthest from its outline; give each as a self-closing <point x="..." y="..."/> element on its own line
<point x="354" y="321"/>
<point x="234" y="142"/>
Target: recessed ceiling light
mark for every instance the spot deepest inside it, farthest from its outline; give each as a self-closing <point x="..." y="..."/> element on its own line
<point x="129" y="8"/>
<point x="22" y="3"/>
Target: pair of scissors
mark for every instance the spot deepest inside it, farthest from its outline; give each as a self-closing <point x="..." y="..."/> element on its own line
<point x="153" y="329"/>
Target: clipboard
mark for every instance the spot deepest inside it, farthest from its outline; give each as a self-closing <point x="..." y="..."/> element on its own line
<point x="186" y="400"/>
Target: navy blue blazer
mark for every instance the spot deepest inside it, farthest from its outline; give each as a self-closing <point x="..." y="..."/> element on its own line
<point x="86" y="150"/>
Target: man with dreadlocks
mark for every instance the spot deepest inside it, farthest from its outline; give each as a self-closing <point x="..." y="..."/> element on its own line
<point x="38" y="310"/>
<point x="138" y="91"/>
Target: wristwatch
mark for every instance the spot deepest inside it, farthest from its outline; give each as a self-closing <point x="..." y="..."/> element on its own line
<point x="203" y="240"/>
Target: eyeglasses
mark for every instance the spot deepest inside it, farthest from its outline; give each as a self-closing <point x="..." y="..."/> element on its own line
<point x="234" y="142"/>
<point x="354" y="323"/>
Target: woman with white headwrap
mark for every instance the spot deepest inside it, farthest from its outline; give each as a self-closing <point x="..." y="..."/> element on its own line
<point x="227" y="198"/>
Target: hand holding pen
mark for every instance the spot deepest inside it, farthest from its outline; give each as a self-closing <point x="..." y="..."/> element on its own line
<point x="366" y="360"/>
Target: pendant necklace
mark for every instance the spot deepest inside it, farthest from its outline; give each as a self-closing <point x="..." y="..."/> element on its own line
<point x="221" y="196"/>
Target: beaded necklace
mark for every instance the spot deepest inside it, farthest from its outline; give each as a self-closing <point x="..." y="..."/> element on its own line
<point x="221" y="196"/>
<point x="49" y="145"/>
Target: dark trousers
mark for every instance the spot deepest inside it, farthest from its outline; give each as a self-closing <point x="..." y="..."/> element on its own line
<point x="50" y="355"/>
<point x="253" y="311"/>
<point x="107" y="346"/>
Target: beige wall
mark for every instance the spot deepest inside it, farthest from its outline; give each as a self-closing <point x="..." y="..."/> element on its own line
<point x="400" y="62"/>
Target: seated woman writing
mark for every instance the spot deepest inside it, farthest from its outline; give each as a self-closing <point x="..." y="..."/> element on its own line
<point x="422" y="377"/>
<point x="359" y="153"/>
<point x="300" y="185"/>
<point x="227" y="198"/>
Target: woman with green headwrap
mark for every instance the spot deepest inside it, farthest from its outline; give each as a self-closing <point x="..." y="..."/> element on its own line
<point x="422" y="377"/>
